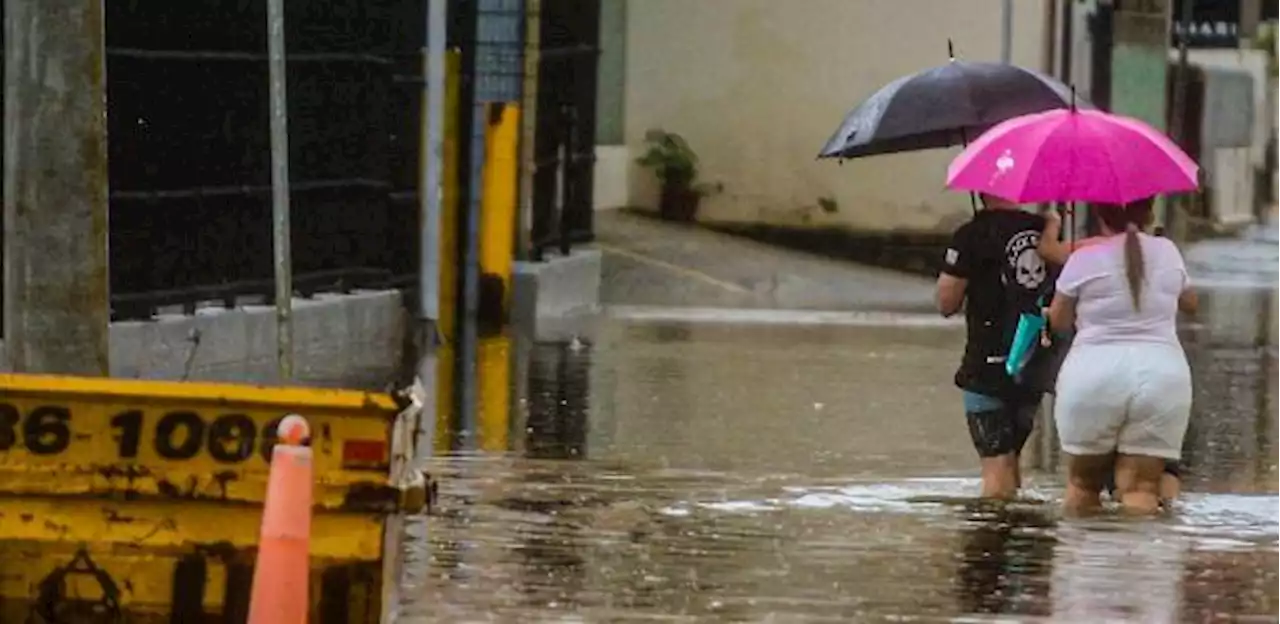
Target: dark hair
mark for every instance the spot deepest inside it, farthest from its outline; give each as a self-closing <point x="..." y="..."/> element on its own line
<point x="1130" y="218"/>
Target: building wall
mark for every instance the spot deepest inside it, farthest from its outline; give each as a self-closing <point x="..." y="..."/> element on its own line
<point x="611" y="87"/>
<point x="1230" y="170"/>
<point x="756" y="87"/>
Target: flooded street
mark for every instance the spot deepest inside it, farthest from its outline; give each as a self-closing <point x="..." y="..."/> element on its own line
<point x="686" y="470"/>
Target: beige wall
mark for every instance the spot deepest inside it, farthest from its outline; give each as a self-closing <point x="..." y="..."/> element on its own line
<point x="757" y="86"/>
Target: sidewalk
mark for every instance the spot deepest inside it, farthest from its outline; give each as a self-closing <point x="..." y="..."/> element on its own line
<point x="652" y="263"/>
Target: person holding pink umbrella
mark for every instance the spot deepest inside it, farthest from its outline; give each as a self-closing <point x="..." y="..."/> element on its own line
<point x="1123" y="394"/>
<point x="1124" y="391"/>
<point x="1057" y="251"/>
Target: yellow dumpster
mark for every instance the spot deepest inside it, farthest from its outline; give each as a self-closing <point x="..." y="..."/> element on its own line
<point x="144" y="497"/>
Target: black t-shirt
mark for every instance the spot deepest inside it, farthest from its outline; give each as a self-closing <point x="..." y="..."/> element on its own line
<point x="996" y="253"/>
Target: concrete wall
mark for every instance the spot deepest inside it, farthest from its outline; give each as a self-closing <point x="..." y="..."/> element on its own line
<point x="1230" y="170"/>
<point x="757" y="86"/>
<point x="353" y="341"/>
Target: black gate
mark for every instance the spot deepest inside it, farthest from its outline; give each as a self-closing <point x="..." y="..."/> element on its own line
<point x="190" y="145"/>
<point x="565" y="128"/>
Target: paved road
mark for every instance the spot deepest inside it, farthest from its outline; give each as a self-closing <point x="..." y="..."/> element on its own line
<point x="648" y="262"/>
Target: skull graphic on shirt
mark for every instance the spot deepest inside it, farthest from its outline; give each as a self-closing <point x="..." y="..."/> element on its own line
<point x="1029" y="271"/>
<point x="1027" y="267"/>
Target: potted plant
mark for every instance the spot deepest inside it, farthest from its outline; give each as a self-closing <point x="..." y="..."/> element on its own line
<point x="676" y="167"/>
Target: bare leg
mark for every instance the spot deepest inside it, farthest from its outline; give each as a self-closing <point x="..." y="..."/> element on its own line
<point x="999" y="431"/>
<point x="1017" y="472"/>
<point x="1138" y="480"/>
<point x="1086" y="475"/>
<point x="1000" y="476"/>
<point x="1170" y="487"/>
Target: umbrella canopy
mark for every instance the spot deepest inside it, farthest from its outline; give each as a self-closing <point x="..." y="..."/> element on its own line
<point x="1073" y="156"/>
<point x="944" y="106"/>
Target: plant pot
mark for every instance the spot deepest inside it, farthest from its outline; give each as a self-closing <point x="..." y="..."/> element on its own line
<point x="678" y="203"/>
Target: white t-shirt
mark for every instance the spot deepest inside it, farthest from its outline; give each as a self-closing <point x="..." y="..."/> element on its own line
<point x="1095" y="277"/>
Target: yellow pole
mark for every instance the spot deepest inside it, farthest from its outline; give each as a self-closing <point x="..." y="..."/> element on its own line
<point x="499" y="179"/>
<point x="447" y="324"/>
<point x="493" y="423"/>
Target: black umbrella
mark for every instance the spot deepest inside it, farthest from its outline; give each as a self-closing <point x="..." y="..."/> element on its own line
<point x="944" y="106"/>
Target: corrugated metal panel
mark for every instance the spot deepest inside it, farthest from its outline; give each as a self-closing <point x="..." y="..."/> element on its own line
<point x="499" y="50"/>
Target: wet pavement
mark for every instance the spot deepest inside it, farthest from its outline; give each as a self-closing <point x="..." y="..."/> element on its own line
<point x="685" y="469"/>
<point x="664" y="264"/>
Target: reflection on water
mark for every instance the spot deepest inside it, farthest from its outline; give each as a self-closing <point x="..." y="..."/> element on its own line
<point x="1008" y="555"/>
<point x="1231" y="345"/>
<point x="556" y="406"/>
<point x="117" y="577"/>
<point x="1248" y="262"/>
<point x="775" y="473"/>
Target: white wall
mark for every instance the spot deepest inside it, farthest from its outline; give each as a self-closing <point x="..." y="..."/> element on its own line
<point x="757" y="86"/>
<point x="613" y="166"/>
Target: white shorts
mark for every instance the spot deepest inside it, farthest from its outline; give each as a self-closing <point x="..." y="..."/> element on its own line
<point x="1133" y="399"/>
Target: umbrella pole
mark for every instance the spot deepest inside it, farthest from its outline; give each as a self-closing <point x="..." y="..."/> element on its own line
<point x="1071" y="227"/>
<point x="973" y="201"/>
<point x="964" y="142"/>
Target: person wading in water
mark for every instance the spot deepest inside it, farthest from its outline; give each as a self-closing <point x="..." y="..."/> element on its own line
<point x="992" y="270"/>
<point x="1057" y="251"/>
<point x="1124" y="394"/>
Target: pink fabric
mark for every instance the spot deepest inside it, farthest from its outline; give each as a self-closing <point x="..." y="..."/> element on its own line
<point x="1073" y="156"/>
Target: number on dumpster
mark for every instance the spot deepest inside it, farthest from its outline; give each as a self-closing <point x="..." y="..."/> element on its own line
<point x="180" y="435"/>
<point x="177" y="435"/>
<point x="45" y="430"/>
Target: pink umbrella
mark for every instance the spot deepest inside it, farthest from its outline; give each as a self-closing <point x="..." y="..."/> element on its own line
<point x="1069" y="155"/>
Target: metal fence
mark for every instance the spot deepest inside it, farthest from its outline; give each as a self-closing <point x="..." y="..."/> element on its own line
<point x="190" y="152"/>
<point x="189" y="139"/>
<point x="565" y="128"/>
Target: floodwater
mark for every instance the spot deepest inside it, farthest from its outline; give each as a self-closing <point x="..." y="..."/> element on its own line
<point x="694" y="471"/>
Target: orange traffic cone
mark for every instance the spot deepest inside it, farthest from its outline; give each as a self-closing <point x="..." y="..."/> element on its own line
<point x="281" y="576"/>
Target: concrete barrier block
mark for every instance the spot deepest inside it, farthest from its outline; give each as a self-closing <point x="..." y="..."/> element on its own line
<point x="318" y="337"/>
<point x="219" y="342"/>
<point x="351" y="341"/>
<point x="166" y="354"/>
<point x="558" y="296"/>
<point x="260" y="341"/>
<point x="379" y="322"/>
<point x="127" y="346"/>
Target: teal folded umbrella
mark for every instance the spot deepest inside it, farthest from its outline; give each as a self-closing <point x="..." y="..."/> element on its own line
<point x="1025" y="339"/>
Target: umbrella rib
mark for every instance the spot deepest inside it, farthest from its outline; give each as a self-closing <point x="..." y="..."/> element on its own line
<point x="973" y="106"/>
<point x="1121" y="181"/>
<point x="1048" y="131"/>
